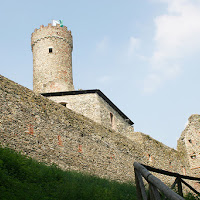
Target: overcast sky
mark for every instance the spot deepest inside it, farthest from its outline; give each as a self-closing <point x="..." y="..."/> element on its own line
<point x="142" y="54"/>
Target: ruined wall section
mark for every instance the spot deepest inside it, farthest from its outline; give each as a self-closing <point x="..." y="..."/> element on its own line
<point x="52" y="59"/>
<point x="51" y="133"/>
<point x="160" y="156"/>
<point x="189" y="144"/>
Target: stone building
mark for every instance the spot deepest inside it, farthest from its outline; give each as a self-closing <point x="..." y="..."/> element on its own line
<point x="52" y="59"/>
<point x="52" y="77"/>
<point x="82" y="130"/>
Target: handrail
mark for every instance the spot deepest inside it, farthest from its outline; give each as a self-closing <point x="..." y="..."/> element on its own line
<point x="178" y="179"/>
<point x="154" y="185"/>
<point x="161" y="171"/>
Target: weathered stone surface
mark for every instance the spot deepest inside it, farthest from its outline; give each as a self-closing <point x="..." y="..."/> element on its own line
<point x="52" y="133"/>
<point x="52" y="71"/>
<point x="189" y="144"/>
<point x="94" y="107"/>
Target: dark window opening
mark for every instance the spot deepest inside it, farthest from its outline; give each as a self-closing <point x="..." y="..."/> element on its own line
<point x="193" y="156"/>
<point x="50" y="50"/>
<point x="150" y="157"/>
<point x="190" y="141"/>
<point x="63" y="104"/>
<point x="111" y="119"/>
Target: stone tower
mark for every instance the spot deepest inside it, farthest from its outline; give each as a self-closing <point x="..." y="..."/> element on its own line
<point x="52" y="59"/>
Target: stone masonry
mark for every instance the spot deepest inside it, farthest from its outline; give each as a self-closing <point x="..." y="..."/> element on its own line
<point x="189" y="144"/>
<point x="52" y="133"/>
<point x="52" y="72"/>
<point x="88" y="134"/>
<point x="52" y="59"/>
<point x="96" y="108"/>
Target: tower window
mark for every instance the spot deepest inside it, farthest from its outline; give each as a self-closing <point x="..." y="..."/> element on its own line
<point x="50" y="50"/>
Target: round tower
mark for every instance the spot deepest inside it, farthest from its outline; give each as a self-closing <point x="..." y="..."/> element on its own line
<point x="52" y="59"/>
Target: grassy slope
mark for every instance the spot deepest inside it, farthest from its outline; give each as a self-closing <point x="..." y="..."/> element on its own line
<point x="24" y="178"/>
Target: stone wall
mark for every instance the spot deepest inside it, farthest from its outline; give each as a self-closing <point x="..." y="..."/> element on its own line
<point x="96" y="108"/>
<point x="84" y="104"/>
<point x="117" y="122"/>
<point x="189" y="144"/>
<point x="52" y="133"/>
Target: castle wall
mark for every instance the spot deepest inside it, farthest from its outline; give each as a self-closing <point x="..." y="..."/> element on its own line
<point x="52" y="59"/>
<point x="94" y="107"/>
<point x="84" y="104"/>
<point x="111" y="119"/>
<point x="51" y="133"/>
<point x="189" y="143"/>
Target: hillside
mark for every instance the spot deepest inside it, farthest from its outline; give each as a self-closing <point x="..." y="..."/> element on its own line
<point x="24" y="178"/>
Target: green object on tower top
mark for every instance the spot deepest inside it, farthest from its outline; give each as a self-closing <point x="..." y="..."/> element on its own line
<point x="61" y="23"/>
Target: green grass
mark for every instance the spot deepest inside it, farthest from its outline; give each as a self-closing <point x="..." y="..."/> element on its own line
<point x="191" y="197"/>
<point x="22" y="178"/>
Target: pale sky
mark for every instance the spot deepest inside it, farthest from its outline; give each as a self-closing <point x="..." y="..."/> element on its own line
<point x="143" y="55"/>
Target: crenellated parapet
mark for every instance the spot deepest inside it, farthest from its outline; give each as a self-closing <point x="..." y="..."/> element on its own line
<point x="51" y="32"/>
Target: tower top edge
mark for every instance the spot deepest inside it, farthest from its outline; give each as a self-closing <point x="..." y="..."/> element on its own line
<point x="50" y="27"/>
<point x="48" y="31"/>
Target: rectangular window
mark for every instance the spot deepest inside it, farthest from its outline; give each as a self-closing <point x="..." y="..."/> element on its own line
<point x="50" y="50"/>
<point x="112" y="120"/>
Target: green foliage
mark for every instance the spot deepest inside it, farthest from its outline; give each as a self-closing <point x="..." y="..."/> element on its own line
<point x="23" y="178"/>
<point x="191" y="197"/>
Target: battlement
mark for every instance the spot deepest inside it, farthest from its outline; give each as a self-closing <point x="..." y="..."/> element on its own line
<point x="50" y="31"/>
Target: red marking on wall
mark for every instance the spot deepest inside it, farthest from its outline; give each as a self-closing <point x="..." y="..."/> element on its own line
<point x="53" y="86"/>
<point x="63" y="72"/>
<point x="196" y="186"/>
<point x="112" y="157"/>
<point x="184" y="171"/>
<point x="80" y="148"/>
<point x="150" y="157"/>
<point x="30" y="129"/>
<point x="195" y="167"/>
<point x="60" y="143"/>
